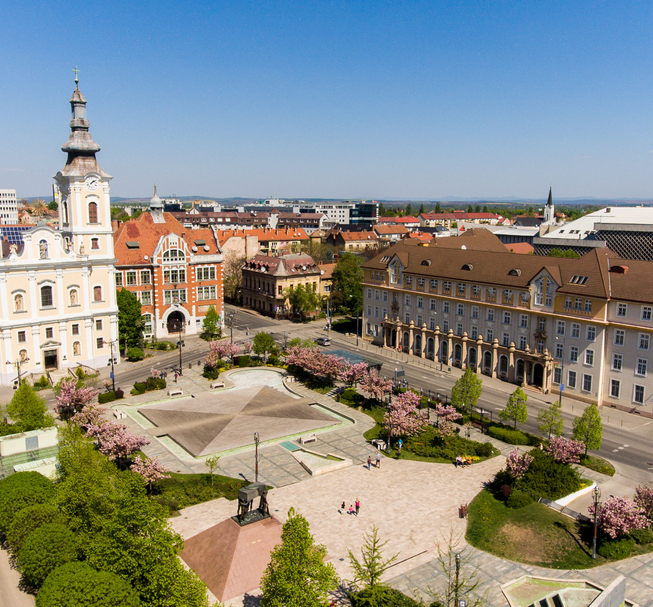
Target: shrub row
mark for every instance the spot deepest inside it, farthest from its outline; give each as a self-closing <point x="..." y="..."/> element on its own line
<point x="109" y="397"/>
<point x="512" y="437"/>
<point x="430" y="444"/>
<point x="152" y="383"/>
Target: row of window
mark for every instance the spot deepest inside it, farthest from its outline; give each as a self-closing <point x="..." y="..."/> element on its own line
<point x="646" y="312"/>
<point x="170" y="276"/>
<point x="638" y="395"/>
<point x="47" y="298"/>
<point x="49" y="331"/>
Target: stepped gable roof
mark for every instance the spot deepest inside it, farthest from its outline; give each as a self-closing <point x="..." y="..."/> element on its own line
<point x="498" y="268"/>
<point x="285" y="265"/>
<point x="136" y="238"/>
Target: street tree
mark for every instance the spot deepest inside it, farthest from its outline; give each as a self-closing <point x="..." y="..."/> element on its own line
<point x="130" y="320"/>
<point x="212" y="463"/>
<point x="232" y="273"/>
<point x="72" y="399"/>
<point x="467" y="390"/>
<point x="28" y="409"/>
<point x="403" y="418"/>
<point x="211" y="324"/>
<point x="588" y="428"/>
<point x="303" y="299"/>
<point x="515" y="410"/>
<point x="348" y="280"/>
<point x="264" y="344"/>
<point x="549" y="420"/>
<point x="373" y="565"/>
<point x="297" y="574"/>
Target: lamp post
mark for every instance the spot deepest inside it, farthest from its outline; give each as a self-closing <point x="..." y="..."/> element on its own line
<point x="597" y="497"/>
<point x="113" y="374"/>
<point x="256" y="438"/>
<point x="562" y="369"/>
<point x="231" y="325"/>
<point x="457" y="576"/>
<point x="357" y="316"/>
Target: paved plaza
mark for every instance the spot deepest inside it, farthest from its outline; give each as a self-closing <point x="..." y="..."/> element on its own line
<point x="414" y="504"/>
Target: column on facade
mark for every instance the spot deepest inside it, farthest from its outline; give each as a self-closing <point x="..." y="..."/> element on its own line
<point x="479" y="355"/>
<point x="495" y="356"/>
<point x="398" y="342"/>
<point x="463" y="360"/>
<point x="410" y="336"/>
<point x="527" y="351"/>
<point x="436" y="344"/>
<point x="423" y="354"/>
<point x="450" y="350"/>
<point x="511" y="362"/>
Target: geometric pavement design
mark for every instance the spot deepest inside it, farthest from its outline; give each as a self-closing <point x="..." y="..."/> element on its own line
<point x="210" y="423"/>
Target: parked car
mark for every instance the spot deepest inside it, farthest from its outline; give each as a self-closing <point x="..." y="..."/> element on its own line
<point x="323" y="341"/>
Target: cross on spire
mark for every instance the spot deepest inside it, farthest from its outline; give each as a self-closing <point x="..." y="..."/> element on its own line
<point x="76" y="78"/>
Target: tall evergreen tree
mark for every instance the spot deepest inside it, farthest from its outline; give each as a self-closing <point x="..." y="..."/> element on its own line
<point x="438" y="207"/>
<point x="477" y="209"/>
<point x="409" y="209"/>
<point x="421" y="209"/>
<point x="485" y="209"/>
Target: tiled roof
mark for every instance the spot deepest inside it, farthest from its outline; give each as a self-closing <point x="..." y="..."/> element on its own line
<point x="399" y="220"/>
<point x="148" y="234"/>
<point x="285" y="265"/>
<point x="385" y="229"/>
<point x="328" y="269"/>
<point x="264" y="234"/>
<point x="522" y="248"/>
<point x="458" y="216"/>
<point x="358" y="236"/>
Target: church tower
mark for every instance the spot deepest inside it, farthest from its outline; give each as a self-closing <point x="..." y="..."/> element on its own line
<point x="549" y="211"/>
<point x="82" y="189"/>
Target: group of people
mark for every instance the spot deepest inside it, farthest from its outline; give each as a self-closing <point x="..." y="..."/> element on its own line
<point x="462" y="461"/>
<point x="353" y="509"/>
<point x="378" y="460"/>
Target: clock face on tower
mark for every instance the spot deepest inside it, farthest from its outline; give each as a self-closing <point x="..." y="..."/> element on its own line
<point x="92" y="183"/>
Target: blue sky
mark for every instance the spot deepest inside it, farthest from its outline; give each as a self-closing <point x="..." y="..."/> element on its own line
<point x="357" y="99"/>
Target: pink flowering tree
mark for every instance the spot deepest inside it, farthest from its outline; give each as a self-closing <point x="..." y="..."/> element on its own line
<point x="155" y="373"/>
<point x="218" y="350"/>
<point x="91" y="415"/>
<point x="447" y="415"/>
<point x="404" y="418"/>
<point x="353" y="374"/>
<point x="72" y="399"/>
<point x="313" y="361"/>
<point x="517" y="465"/>
<point x="618" y="516"/>
<point x="644" y="499"/>
<point x="375" y="385"/>
<point x="150" y="469"/>
<point x="565" y="451"/>
<point x="115" y="441"/>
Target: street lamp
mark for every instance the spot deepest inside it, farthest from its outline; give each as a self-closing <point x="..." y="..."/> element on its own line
<point x="357" y="316"/>
<point x="457" y="576"/>
<point x="256" y="438"/>
<point x="597" y="497"/>
<point x="562" y="370"/>
<point x="113" y="374"/>
<point x="231" y="325"/>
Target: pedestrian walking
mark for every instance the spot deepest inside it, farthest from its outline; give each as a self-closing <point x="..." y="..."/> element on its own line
<point x="378" y="459"/>
<point x="247" y="332"/>
<point x="342" y="508"/>
<point x="369" y="462"/>
<point x="175" y="378"/>
<point x="358" y="506"/>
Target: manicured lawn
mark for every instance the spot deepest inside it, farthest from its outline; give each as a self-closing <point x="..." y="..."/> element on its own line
<point x="534" y="534"/>
<point x="183" y="490"/>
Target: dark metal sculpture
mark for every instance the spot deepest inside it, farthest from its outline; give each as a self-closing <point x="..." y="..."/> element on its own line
<point x="246" y="496"/>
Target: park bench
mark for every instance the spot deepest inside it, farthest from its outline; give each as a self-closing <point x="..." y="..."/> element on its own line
<point x="308" y="439"/>
<point x="118" y="414"/>
<point x="379" y="444"/>
<point x="216" y="384"/>
<point x="176" y="392"/>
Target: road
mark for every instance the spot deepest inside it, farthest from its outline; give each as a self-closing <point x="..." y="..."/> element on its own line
<point x="627" y="439"/>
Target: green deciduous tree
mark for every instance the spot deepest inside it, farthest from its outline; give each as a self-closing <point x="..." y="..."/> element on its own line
<point x="76" y="583"/>
<point x="28" y="409"/>
<point x="467" y="390"/>
<point x="438" y="207"/>
<point x="44" y="550"/>
<point x="130" y="321"/>
<point x="297" y="575"/>
<point x="348" y="280"/>
<point x="211" y="324"/>
<point x="212" y="463"/>
<point x="19" y="491"/>
<point x="515" y="410"/>
<point x="263" y="344"/>
<point x="589" y="428"/>
<point x="549" y="420"/>
<point x="371" y="568"/>
<point x="303" y="299"/>
<point x="29" y="519"/>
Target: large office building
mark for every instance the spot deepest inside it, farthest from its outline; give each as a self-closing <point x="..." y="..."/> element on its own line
<point x="57" y="286"/>
<point x="584" y="324"/>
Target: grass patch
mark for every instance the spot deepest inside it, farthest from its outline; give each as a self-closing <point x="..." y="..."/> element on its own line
<point x="184" y="490"/>
<point x="598" y="464"/>
<point x="534" y="535"/>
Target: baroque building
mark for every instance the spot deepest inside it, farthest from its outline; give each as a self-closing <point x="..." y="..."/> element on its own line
<point x="579" y="325"/>
<point x="57" y="286"/>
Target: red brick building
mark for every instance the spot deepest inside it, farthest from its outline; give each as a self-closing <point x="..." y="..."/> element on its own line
<point x="176" y="272"/>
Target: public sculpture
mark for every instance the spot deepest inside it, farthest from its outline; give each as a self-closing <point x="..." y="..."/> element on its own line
<point x="246" y="496"/>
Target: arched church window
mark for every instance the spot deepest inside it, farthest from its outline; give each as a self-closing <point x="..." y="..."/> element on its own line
<point x="173" y="255"/>
<point x="47" y="300"/>
<point x="19" y="302"/>
<point x="65" y="211"/>
<point x="97" y="293"/>
<point x="92" y="212"/>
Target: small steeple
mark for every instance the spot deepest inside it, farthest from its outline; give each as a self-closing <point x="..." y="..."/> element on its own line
<point x="80" y="147"/>
<point x="549" y="211"/>
<point x="549" y="202"/>
<point x="156" y="208"/>
<point x="155" y="202"/>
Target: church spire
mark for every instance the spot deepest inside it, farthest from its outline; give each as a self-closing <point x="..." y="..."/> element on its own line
<point x="80" y="147"/>
<point x="549" y="202"/>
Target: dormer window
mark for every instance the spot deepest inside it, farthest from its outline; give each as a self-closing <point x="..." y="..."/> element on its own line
<point x="515" y="272"/>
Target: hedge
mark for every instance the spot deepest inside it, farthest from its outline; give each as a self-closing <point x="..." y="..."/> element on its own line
<point x="512" y="437"/>
<point x="19" y="491"/>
